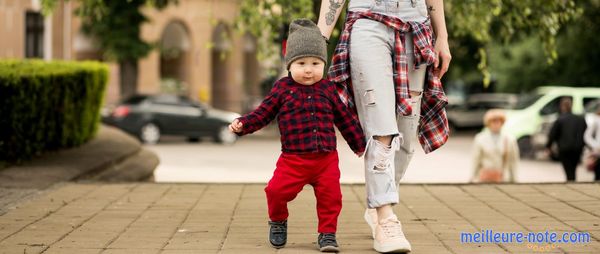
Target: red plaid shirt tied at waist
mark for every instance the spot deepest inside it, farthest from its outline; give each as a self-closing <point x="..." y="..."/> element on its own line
<point x="433" y="124"/>
<point x="306" y="115"/>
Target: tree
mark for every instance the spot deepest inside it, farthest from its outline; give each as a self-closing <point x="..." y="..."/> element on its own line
<point x="478" y="22"/>
<point x="488" y="21"/>
<point x="577" y="56"/>
<point x="115" y="27"/>
<point x="267" y="20"/>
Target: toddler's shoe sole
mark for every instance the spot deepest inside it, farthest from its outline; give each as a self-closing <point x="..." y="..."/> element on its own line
<point x="277" y="246"/>
<point x="328" y="248"/>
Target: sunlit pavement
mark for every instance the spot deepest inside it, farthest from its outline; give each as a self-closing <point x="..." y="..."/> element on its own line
<point x="232" y="218"/>
<point x="252" y="160"/>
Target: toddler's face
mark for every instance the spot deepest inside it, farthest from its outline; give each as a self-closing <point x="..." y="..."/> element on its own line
<point x="307" y="70"/>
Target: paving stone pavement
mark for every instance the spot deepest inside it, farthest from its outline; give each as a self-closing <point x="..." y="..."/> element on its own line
<point x="232" y="218"/>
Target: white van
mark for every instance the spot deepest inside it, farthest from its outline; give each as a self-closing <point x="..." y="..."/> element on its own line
<point x="531" y="119"/>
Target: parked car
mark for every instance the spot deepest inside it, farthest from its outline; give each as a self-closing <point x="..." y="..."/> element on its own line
<point x="148" y="117"/>
<point x="530" y="121"/>
<point x="470" y="113"/>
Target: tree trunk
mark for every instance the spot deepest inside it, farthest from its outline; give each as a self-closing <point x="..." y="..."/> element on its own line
<point x="128" y="75"/>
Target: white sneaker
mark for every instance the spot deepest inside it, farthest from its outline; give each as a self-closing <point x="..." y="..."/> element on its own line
<point x="371" y="219"/>
<point x="389" y="236"/>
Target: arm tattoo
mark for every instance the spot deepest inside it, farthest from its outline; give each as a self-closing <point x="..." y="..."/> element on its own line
<point x="333" y="7"/>
<point x="430" y="8"/>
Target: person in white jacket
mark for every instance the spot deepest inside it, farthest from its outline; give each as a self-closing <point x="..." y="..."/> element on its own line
<point x="496" y="154"/>
<point x="592" y="140"/>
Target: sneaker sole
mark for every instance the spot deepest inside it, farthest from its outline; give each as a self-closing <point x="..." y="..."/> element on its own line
<point x="277" y="247"/>
<point x="328" y="248"/>
<point x="391" y="248"/>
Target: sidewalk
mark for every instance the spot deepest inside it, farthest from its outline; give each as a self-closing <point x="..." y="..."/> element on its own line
<point x="111" y="156"/>
<point x="232" y="218"/>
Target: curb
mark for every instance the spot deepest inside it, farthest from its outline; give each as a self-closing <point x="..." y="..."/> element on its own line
<point x="111" y="156"/>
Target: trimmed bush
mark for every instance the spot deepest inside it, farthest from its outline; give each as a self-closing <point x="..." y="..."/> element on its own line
<point x="48" y="105"/>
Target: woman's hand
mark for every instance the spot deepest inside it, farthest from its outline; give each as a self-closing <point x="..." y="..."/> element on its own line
<point x="236" y="126"/>
<point x="442" y="52"/>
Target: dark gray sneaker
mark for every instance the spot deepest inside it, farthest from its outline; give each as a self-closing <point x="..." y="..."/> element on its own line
<point x="327" y="243"/>
<point x="278" y="233"/>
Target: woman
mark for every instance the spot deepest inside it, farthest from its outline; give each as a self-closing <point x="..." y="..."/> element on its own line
<point x="592" y="140"/>
<point x="495" y="154"/>
<point x="385" y="64"/>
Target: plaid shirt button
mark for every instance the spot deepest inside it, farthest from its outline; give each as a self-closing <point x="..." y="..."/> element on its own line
<point x="309" y="96"/>
<point x="314" y="130"/>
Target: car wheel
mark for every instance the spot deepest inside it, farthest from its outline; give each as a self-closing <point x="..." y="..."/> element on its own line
<point x="525" y="147"/>
<point x="225" y="136"/>
<point x="150" y="133"/>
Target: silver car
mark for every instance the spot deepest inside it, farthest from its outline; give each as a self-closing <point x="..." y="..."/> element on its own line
<point x="470" y="113"/>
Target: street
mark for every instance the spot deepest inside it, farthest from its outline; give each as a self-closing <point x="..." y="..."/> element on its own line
<point x="252" y="160"/>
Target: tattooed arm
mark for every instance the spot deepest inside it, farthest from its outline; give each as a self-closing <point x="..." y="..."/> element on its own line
<point x="436" y="11"/>
<point x="330" y="11"/>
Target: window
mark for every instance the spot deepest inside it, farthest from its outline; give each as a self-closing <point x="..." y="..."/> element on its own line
<point x="591" y="104"/>
<point x="34" y="35"/>
<point x="167" y="100"/>
<point x="553" y="106"/>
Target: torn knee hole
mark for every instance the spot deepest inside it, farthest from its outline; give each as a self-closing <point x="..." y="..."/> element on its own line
<point x="370" y="97"/>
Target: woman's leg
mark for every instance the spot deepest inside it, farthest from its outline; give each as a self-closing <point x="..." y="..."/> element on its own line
<point x="408" y="125"/>
<point x="373" y="87"/>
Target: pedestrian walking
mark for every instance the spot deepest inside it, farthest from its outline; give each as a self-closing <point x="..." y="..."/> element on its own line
<point x="592" y="140"/>
<point x="495" y="154"/>
<point x="567" y="132"/>
<point x="387" y="66"/>
<point x="307" y="107"/>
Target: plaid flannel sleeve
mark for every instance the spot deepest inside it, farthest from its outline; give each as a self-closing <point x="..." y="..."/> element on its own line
<point x="264" y="114"/>
<point x="348" y="125"/>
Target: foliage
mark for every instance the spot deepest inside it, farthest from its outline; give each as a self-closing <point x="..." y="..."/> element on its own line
<point x="521" y="66"/>
<point x="506" y="21"/>
<point x="114" y="25"/>
<point x="48" y="105"/>
<point x="267" y="20"/>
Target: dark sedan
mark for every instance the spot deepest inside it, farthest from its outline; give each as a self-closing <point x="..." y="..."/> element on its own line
<point x="148" y="117"/>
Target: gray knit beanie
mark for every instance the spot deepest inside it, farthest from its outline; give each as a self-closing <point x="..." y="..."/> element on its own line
<point x="304" y="40"/>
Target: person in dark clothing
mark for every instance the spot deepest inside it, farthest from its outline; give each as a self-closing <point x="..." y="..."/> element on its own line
<point x="567" y="132"/>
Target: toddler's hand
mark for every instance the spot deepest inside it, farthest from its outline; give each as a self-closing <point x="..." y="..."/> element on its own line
<point x="236" y="126"/>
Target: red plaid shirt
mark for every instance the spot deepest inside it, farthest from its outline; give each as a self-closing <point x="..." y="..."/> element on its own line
<point x="433" y="124"/>
<point x="306" y="115"/>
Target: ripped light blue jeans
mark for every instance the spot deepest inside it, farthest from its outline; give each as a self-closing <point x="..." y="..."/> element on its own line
<point x="371" y="47"/>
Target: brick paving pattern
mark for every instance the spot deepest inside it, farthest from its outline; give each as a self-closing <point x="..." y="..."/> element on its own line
<point x="232" y="218"/>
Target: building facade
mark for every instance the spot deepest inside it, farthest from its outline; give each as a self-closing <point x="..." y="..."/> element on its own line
<point x="198" y="54"/>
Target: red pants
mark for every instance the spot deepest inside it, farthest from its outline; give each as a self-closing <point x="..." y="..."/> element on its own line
<point x="296" y="170"/>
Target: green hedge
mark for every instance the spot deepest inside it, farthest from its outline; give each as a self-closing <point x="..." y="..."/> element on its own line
<point x="48" y="105"/>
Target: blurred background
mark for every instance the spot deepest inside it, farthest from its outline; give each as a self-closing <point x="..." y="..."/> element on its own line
<point x="181" y="70"/>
